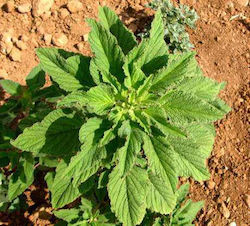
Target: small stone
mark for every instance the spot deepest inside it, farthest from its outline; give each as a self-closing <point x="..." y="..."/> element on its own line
<point x="217" y="38"/>
<point x="15" y="55"/>
<point x="6" y="44"/>
<point x="59" y="39"/>
<point x="21" y="45"/>
<point x="9" y="6"/>
<point x="247" y="200"/>
<point x="74" y="6"/>
<point x="41" y="6"/>
<point x="80" y="46"/>
<point x="47" y="39"/>
<point x="225" y="211"/>
<point x="232" y="224"/>
<point x="242" y="2"/>
<point x="24" y="8"/>
<point x="63" y="13"/>
<point x="85" y="37"/>
<point x="211" y="184"/>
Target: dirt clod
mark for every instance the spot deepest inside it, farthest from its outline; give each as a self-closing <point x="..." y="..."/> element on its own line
<point x="41" y="6"/>
<point x="59" y="39"/>
<point x="24" y="8"/>
<point x="74" y="6"/>
<point x="15" y="55"/>
<point x="225" y="211"/>
<point x="9" y="6"/>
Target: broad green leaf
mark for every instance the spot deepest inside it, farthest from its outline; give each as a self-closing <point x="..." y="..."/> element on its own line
<point x="135" y="77"/>
<point x="49" y="178"/>
<point x="160" y="197"/>
<point x="132" y="146"/>
<point x="57" y="134"/>
<point x="178" y="67"/>
<point x="84" y="164"/>
<point x="191" y="159"/>
<point x="22" y="178"/>
<point x="36" y="78"/>
<point x="220" y="105"/>
<point x="186" y="214"/>
<point x="108" y="55"/>
<point x="100" y="99"/>
<point x="62" y="191"/>
<point x="127" y="195"/>
<point x="201" y="87"/>
<point x="159" y="118"/>
<point x="181" y="107"/>
<point x="162" y="161"/>
<point x="126" y="40"/>
<point x="70" y="73"/>
<point x="11" y="87"/>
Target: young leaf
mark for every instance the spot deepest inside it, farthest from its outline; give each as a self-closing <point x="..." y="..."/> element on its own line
<point x="108" y="54"/>
<point x="100" y="99"/>
<point x="132" y="146"/>
<point x="11" y="87"/>
<point x="57" y="134"/>
<point x="127" y="195"/>
<point x="36" y="78"/>
<point x="110" y="21"/>
<point x="182" y="192"/>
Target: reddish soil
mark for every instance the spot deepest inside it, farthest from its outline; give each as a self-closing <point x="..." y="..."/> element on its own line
<point x="222" y="48"/>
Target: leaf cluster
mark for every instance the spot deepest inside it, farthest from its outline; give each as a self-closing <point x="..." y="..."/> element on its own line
<point x="175" y="20"/>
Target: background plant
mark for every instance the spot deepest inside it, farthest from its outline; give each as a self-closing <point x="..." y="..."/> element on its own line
<point x="175" y="20"/>
<point x="134" y="117"/>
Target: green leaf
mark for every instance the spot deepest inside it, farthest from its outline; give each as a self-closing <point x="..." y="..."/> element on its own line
<point x="62" y="191"/>
<point x="71" y="73"/>
<point x="68" y="214"/>
<point x="132" y="146"/>
<point x="76" y="98"/>
<point x="108" y="54"/>
<point x="159" y="118"/>
<point x="160" y="197"/>
<point x="109" y="20"/>
<point x="36" y="78"/>
<point x="127" y="195"/>
<point x="181" y="107"/>
<point x="22" y="178"/>
<point x="178" y="67"/>
<point x="85" y="164"/>
<point x="100" y="99"/>
<point x="182" y="192"/>
<point x="162" y="161"/>
<point x="186" y="214"/>
<point x="49" y="178"/>
<point x="11" y="87"/>
<point x="190" y="161"/>
<point x="57" y="134"/>
<point x="201" y="87"/>
<point x="156" y="52"/>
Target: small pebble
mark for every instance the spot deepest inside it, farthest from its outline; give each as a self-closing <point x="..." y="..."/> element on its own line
<point x="24" y="38"/>
<point x="15" y="55"/>
<point x="47" y="39"/>
<point x="24" y="8"/>
<point x="74" y="6"/>
<point x="85" y="37"/>
<point x="80" y="46"/>
<point x="41" y="6"/>
<point x="9" y="6"/>
<point x="59" y="39"/>
<point x="225" y="211"/>
<point x="243" y="2"/>
<point x="211" y="185"/>
<point x="232" y="224"/>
